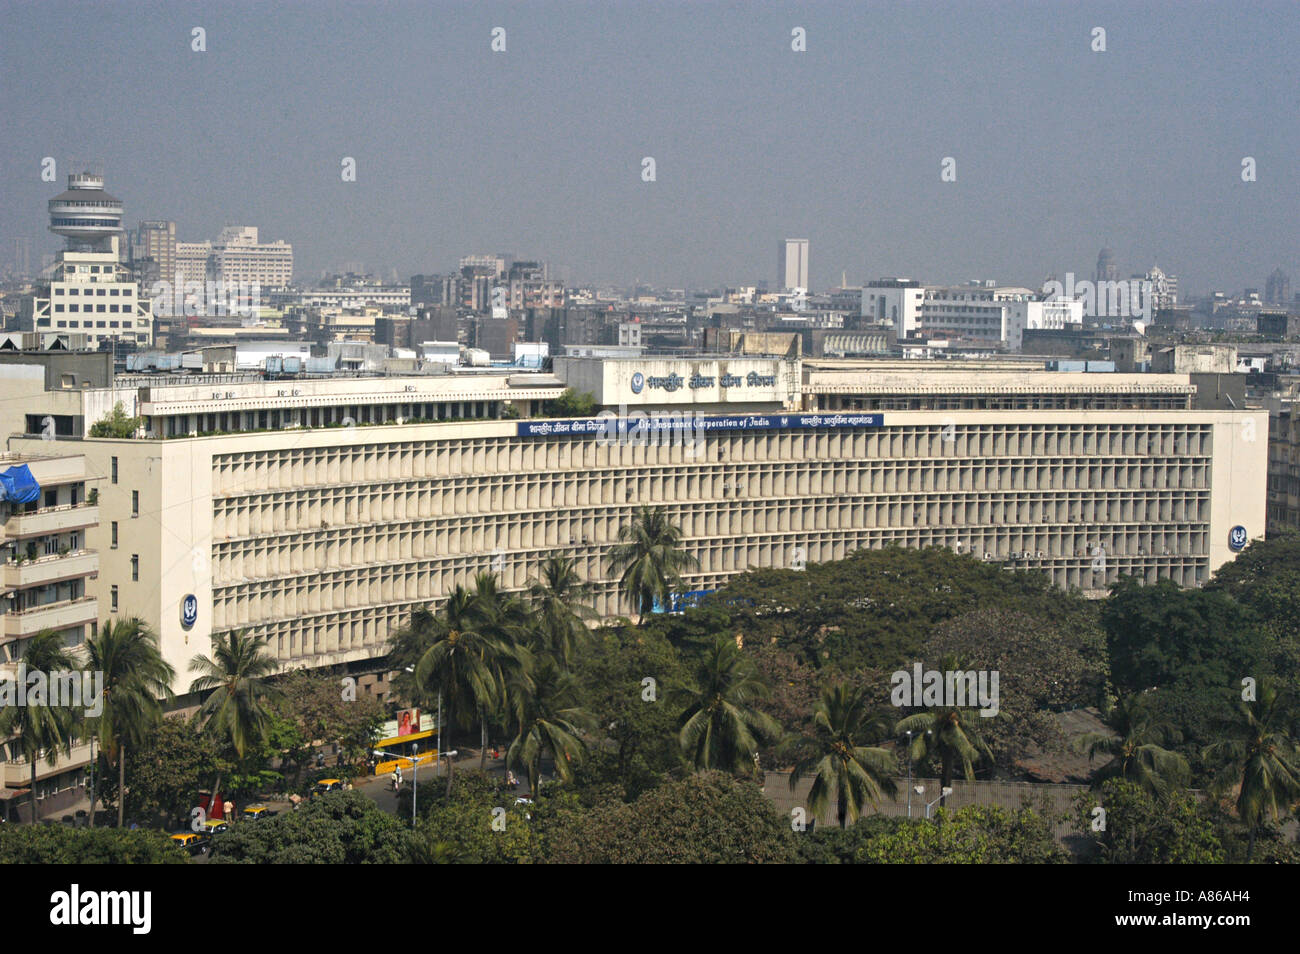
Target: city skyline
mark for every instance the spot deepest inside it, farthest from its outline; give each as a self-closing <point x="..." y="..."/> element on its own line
<point x="540" y="159"/>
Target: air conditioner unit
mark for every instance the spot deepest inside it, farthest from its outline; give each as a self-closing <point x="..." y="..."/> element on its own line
<point x="987" y="555"/>
<point x="1040" y="554"/>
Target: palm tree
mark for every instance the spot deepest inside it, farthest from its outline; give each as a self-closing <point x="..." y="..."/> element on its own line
<point x="557" y="594"/>
<point x="719" y="728"/>
<point x="135" y="679"/>
<point x="42" y="729"/>
<point x="461" y="664"/>
<point x="1264" y="759"/>
<point x="1134" y="747"/>
<point x="649" y="558"/>
<point x="237" y="710"/>
<point x="950" y="734"/>
<point x="508" y="621"/>
<point x="851" y="772"/>
<point x="549" y="720"/>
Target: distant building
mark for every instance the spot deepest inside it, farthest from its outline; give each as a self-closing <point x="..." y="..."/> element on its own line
<point x="238" y="256"/>
<point x="1277" y="324"/>
<point x="1107" y="270"/>
<point x="1277" y="289"/>
<point x="896" y="301"/>
<point x="192" y="261"/>
<point x="90" y="290"/>
<point x="153" y="253"/>
<point x="792" y="264"/>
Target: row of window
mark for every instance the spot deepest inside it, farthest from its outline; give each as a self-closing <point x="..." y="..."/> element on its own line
<point x="112" y="291"/>
<point x="98" y="309"/>
<point x="511" y="540"/>
<point x="351" y="614"/>
<point x="300" y="467"/>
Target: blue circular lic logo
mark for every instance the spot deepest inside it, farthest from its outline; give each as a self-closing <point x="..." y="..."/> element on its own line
<point x="189" y="611"/>
<point x="638" y="382"/>
<point x="1237" y="539"/>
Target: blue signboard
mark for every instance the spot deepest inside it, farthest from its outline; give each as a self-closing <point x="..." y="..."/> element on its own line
<point x="681" y="602"/>
<point x="610" y="424"/>
<point x="1237" y="539"/>
<point x="189" y="610"/>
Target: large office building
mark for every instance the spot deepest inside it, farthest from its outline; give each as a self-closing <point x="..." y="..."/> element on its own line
<point x="239" y="257"/>
<point x="321" y="511"/>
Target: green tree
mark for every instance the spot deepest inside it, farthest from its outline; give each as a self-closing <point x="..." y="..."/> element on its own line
<point x="879" y="609"/>
<point x="1265" y="578"/>
<point x="1044" y="667"/>
<point x="1261" y="758"/>
<point x="342" y="828"/>
<point x="135" y="681"/>
<point x="719" y="727"/>
<point x="506" y="619"/>
<point x="572" y="403"/>
<point x="1142" y="829"/>
<point x="117" y="424"/>
<point x="843" y="769"/>
<point x="558" y="594"/>
<point x="975" y="835"/>
<point x="1134" y="748"/>
<point x="236" y="676"/>
<point x="705" y="818"/>
<point x="480" y="823"/>
<point x="950" y="734"/>
<point x="460" y="665"/>
<point x="1162" y="636"/>
<point x="43" y="730"/>
<point x="628" y="677"/>
<point x="61" y="845"/>
<point x="550" y="721"/>
<point x="314" y="701"/>
<point x="649" y="558"/>
<point x="165" y="768"/>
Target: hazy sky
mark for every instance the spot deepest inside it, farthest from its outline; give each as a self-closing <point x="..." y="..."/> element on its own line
<point x="537" y="151"/>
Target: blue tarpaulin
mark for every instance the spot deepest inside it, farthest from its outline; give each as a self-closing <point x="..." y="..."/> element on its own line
<point x="18" y="485"/>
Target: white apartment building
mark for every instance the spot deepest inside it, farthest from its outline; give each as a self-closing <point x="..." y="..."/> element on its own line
<point x="94" y="294"/>
<point x="49" y="570"/>
<point x="896" y="301"/>
<point x="339" y="505"/>
<point x="976" y="312"/>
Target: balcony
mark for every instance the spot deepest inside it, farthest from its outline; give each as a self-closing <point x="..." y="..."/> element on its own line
<point x="50" y="520"/>
<point x="18" y="774"/>
<point x="50" y="569"/>
<point x="55" y="616"/>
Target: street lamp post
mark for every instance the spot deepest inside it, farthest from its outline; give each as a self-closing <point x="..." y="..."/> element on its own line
<point x="93" y="766"/>
<point x="909" y="773"/>
<point x="414" y="759"/>
<point x="943" y="793"/>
